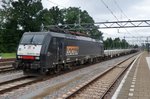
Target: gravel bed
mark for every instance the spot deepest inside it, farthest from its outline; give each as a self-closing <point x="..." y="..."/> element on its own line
<point x="60" y="84"/>
<point x="10" y="75"/>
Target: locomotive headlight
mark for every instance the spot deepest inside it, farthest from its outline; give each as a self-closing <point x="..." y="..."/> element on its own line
<point x="37" y="57"/>
<point x="19" y="56"/>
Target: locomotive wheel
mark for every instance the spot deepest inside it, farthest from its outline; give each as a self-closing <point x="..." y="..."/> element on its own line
<point x="58" y="68"/>
<point x="82" y="62"/>
<point x="68" y="66"/>
<point x="43" y="71"/>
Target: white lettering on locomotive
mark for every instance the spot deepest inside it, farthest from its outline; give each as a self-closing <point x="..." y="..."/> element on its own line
<point x="29" y="50"/>
<point x="72" y="50"/>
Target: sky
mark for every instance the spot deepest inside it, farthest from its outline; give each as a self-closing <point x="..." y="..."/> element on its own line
<point x="131" y="9"/>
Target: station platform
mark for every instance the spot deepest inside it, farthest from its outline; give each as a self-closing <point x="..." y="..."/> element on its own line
<point x="136" y="83"/>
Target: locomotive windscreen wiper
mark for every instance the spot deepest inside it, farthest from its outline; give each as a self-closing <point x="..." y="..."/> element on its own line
<point x="31" y="40"/>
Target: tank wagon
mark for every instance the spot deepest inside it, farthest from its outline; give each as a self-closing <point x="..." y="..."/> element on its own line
<point x="42" y="52"/>
<point x="118" y="52"/>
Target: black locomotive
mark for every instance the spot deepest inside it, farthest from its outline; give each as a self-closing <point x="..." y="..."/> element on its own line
<point x="42" y="52"/>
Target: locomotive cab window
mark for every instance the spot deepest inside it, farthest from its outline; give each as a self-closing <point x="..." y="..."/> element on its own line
<point x="32" y="39"/>
<point x="54" y="43"/>
<point x="38" y="39"/>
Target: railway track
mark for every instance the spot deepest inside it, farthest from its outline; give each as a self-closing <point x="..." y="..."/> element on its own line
<point x="17" y="83"/>
<point x="13" y="84"/>
<point x="8" y="59"/>
<point x="10" y="85"/>
<point x="6" y="65"/>
<point x="100" y="85"/>
<point x="6" y="69"/>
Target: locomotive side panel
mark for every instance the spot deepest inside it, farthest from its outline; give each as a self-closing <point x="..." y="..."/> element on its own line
<point x="82" y="49"/>
<point x="89" y="48"/>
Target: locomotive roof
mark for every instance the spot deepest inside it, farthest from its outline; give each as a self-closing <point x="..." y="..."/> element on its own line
<point x="63" y="35"/>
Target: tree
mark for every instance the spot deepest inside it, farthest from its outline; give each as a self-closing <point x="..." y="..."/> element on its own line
<point x="53" y="16"/>
<point x="108" y="43"/>
<point x="26" y="13"/>
<point x="20" y="16"/>
<point x="95" y="33"/>
<point x="124" y="43"/>
<point x="1" y="29"/>
<point x="74" y="15"/>
<point x="115" y="44"/>
<point x="71" y="15"/>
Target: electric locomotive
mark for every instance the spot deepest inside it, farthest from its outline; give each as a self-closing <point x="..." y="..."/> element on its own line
<point x="42" y="52"/>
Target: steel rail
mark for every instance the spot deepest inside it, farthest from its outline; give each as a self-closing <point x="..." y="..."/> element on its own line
<point x="71" y="94"/>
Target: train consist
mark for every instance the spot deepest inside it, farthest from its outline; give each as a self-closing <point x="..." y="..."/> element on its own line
<point x="43" y="52"/>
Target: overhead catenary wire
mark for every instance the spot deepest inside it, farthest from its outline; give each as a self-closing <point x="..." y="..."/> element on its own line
<point x="56" y="4"/>
<point x="114" y="14"/>
<point x="122" y="13"/>
<point x="110" y="10"/>
<point x="120" y="9"/>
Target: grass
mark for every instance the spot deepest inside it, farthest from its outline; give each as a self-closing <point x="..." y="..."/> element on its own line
<point x="8" y="55"/>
